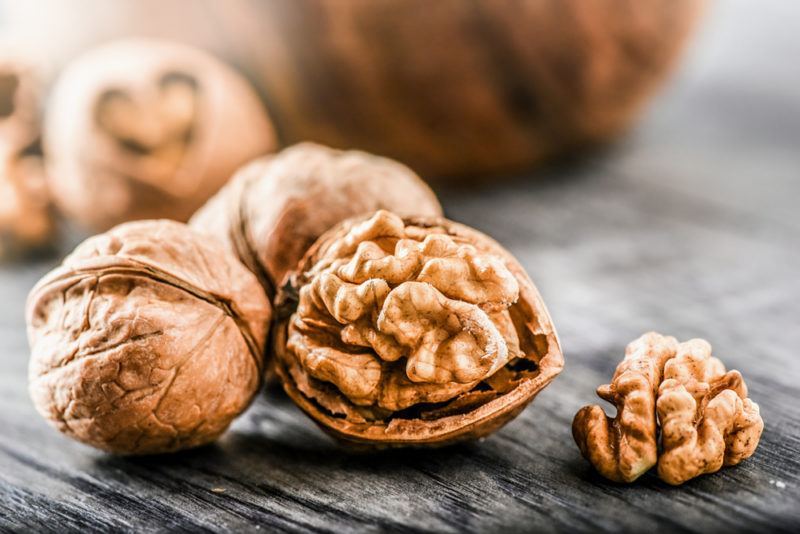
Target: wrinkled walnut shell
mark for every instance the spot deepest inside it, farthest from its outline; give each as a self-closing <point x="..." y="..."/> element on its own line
<point x="147" y="339"/>
<point x="143" y="128"/>
<point x="474" y="412"/>
<point x="276" y="207"/>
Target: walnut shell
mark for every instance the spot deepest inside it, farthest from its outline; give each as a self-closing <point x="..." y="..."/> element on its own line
<point x="277" y="206"/>
<point x="407" y="332"/>
<point x="147" y="339"/>
<point x="146" y="129"/>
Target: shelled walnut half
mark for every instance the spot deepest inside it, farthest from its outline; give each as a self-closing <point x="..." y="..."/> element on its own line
<point x="144" y="128"/>
<point x="277" y="206"/>
<point x="418" y="331"/>
<point x="705" y="417"/>
<point x="147" y="339"/>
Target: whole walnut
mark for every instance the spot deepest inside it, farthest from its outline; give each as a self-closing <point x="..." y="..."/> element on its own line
<point x="418" y="331"/>
<point x="277" y="206"/>
<point x="147" y="339"/>
<point x="143" y="129"/>
<point x="27" y="221"/>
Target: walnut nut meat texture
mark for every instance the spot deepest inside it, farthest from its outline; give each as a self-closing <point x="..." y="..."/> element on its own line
<point x="144" y="128"/>
<point x="147" y="339"/>
<point x="277" y="206"/>
<point x="408" y="332"/>
<point x="705" y="418"/>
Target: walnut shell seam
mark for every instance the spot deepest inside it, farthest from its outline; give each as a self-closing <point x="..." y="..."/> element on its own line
<point x="137" y="269"/>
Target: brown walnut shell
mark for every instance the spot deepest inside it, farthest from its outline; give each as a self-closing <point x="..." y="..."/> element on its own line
<point x="145" y="129"/>
<point x="411" y="332"/>
<point x="147" y="339"/>
<point x="277" y="206"/>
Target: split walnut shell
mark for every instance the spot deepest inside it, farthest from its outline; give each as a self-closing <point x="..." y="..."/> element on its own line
<point x="145" y="129"/>
<point x="147" y="339"/>
<point x="405" y="332"/>
<point x="277" y="206"/>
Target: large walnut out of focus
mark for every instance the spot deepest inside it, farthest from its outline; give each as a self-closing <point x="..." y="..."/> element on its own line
<point x="147" y="339"/>
<point x="277" y="206"/>
<point x="418" y="331"/>
<point x="26" y="218"/>
<point x="142" y="129"/>
<point x="705" y="417"/>
<point x="450" y="87"/>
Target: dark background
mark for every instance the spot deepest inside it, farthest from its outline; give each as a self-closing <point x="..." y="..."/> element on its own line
<point x="689" y="226"/>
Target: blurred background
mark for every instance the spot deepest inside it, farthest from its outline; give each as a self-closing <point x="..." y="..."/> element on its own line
<point x="640" y="158"/>
<point x="463" y="92"/>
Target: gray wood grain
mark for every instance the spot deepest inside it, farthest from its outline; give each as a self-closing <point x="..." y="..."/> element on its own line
<point x="689" y="226"/>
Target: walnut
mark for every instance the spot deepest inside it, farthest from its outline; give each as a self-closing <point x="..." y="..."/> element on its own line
<point x="419" y="331"/>
<point x="277" y="206"/>
<point x="624" y="448"/>
<point x="27" y="220"/>
<point x="705" y="417"/>
<point x="145" y="129"/>
<point x="707" y="421"/>
<point x="147" y="339"/>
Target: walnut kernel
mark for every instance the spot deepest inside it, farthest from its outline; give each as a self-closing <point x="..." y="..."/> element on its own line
<point x="413" y="331"/>
<point x="705" y="417"/>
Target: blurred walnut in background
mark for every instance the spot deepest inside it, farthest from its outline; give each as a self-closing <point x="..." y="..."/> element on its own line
<point x="449" y="87"/>
<point x="26" y="217"/>
<point x="144" y="129"/>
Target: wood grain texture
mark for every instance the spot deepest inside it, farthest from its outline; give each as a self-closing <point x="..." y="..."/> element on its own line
<point x="690" y="227"/>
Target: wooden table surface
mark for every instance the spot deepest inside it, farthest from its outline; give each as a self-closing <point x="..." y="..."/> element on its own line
<point x="689" y="226"/>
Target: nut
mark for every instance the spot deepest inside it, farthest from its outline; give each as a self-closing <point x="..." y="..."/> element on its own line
<point x="624" y="448"/>
<point x="420" y="331"/>
<point x="705" y="416"/>
<point x="707" y="421"/>
<point x="276" y="207"/>
<point x="26" y="219"/>
<point x="147" y="339"/>
<point x="147" y="128"/>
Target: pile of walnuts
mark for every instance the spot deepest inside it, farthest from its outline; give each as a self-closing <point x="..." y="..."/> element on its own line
<point x="394" y="328"/>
